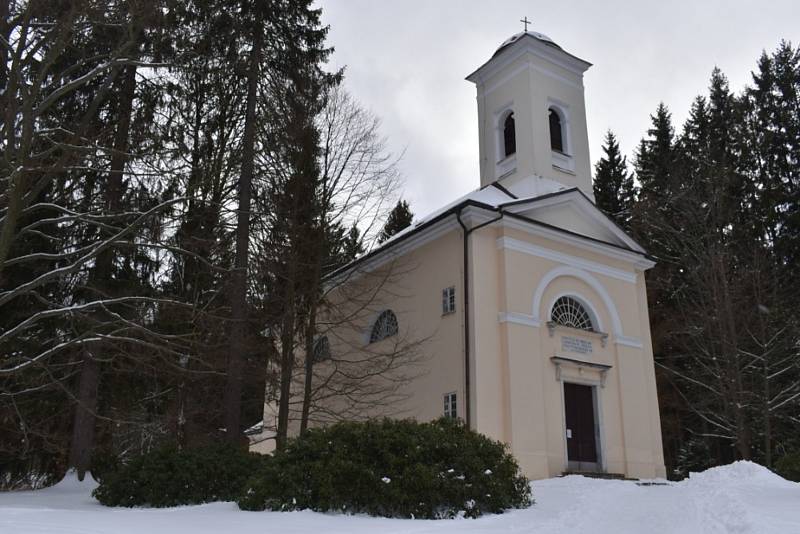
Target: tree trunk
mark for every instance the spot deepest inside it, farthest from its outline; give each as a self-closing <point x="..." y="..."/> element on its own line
<point x="80" y="456"/>
<point x="309" y="364"/>
<point x="238" y="294"/>
<point x="84" y="420"/>
<point x="287" y="361"/>
<point x="314" y="297"/>
<point x="5" y="33"/>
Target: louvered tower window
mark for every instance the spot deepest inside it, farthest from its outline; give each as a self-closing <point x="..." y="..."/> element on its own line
<point x="556" y="131"/>
<point x="509" y="136"/>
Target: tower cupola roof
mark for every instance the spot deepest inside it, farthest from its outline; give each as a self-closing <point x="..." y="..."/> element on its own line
<point x="517" y="36"/>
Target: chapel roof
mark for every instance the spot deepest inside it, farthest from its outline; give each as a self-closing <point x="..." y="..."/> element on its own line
<point x="517" y="36"/>
<point x="492" y="196"/>
<point x="498" y="198"/>
<point x="532" y="37"/>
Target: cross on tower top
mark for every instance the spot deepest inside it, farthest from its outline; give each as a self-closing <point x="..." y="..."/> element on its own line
<point x="525" y="21"/>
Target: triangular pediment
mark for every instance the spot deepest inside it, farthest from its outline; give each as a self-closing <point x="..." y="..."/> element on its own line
<point x="570" y="210"/>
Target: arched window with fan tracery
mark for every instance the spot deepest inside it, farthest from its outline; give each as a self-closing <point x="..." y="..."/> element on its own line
<point x="385" y="326"/>
<point x="568" y="311"/>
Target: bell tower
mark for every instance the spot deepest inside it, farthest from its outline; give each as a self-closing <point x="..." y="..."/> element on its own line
<point x="532" y="117"/>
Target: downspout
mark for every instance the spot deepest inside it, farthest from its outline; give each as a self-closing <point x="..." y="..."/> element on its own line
<point x="466" y="231"/>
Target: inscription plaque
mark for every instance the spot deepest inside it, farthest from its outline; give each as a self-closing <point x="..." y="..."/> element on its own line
<point x="574" y="344"/>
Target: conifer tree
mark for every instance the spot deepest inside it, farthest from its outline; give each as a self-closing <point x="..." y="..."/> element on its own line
<point x="126" y="277"/>
<point x="614" y="190"/>
<point x="238" y="290"/>
<point x="712" y="219"/>
<point x="774" y="144"/>
<point x="353" y="245"/>
<point x="399" y="219"/>
<point x="655" y="156"/>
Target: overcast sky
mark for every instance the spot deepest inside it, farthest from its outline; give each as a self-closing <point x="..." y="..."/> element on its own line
<point x="406" y="62"/>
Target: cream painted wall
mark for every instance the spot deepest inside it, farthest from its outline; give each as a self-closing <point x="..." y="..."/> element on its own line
<point x="429" y="346"/>
<point x="516" y="396"/>
<point x="628" y="410"/>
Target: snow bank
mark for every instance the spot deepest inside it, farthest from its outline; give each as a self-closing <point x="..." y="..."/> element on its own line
<point x="741" y="473"/>
<point x="71" y="484"/>
<point x="741" y="498"/>
<point x="69" y="493"/>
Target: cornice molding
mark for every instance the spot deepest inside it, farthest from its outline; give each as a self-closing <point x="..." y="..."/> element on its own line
<point x="518" y="318"/>
<point x="566" y="259"/>
<point x="638" y="261"/>
<point x="422" y="238"/>
<point x="627" y="341"/>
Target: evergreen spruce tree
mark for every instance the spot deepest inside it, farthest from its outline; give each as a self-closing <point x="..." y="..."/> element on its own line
<point x="715" y="218"/>
<point x="204" y="113"/>
<point x="654" y="164"/>
<point x="352" y="245"/>
<point x="120" y="254"/>
<point x="296" y="91"/>
<point x="774" y="142"/>
<point x="614" y="190"/>
<point x="399" y="219"/>
<point x="655" y="156"/>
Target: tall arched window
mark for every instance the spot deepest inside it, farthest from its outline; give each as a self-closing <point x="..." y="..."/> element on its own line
<point x="556" y="131"/>
<point x="567" y="311"/>
<point x="385" y="326"/>
<point x="509" y="135"/>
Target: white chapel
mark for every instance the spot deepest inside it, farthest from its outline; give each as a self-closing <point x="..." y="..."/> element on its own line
<point x="525" y="305"/>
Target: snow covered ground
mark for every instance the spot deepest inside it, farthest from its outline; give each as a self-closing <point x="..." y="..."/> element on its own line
<point x="738" y="498"/>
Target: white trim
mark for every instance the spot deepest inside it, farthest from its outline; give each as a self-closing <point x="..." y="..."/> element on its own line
<point x="591" y="281"/>
<point x="611" y="251"/>
<point x="504" y="164"/>
<point x="567" y="259"/>
<point x="562" y="162"/>
<point x="586" y="207"/>
<point x="627" y="341"/>
<point x="536" y="321"/>
<point x="488" y="89"/>
<point x="554" y="76"/>
<point x="564" y="158"/>
<point x="519" y="70"/>
<point x="518" y="318"/>
<point x="596" y="386"/>
<point x="392" y="253"/>
<point x="475" y="215"/>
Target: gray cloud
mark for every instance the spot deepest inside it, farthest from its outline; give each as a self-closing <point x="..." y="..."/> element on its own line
<point x="406" y="61"/>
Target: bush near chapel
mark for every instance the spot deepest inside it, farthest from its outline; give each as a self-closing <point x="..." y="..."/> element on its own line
<point x="171" y="477"/>
<point x="391" y="468"/>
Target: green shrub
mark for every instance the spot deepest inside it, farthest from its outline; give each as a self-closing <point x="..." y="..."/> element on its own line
<point x="171" y="477"/>
<point x="694" y="456"/>
<point x="789" y="466"/>
<point x="391" y="468"/>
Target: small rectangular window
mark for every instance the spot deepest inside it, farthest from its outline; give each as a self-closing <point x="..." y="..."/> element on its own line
<point x="450" y="405"/>
<point x="449" y="300"/>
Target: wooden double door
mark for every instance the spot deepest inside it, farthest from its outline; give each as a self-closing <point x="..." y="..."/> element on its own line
<point x="581" y="427"/>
